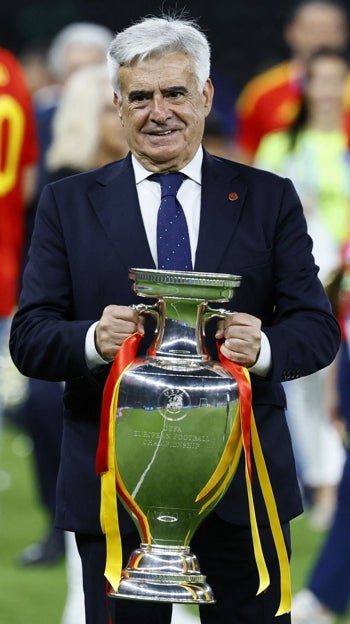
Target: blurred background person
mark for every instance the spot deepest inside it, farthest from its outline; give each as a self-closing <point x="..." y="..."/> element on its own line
<point x="270" y="101"/>
<point x="314" y="153"/>
<point x="76" y="45"/>
<point x="327" y="591"/>
<point x="87" y="132"/>
<point x="18" y="167"/>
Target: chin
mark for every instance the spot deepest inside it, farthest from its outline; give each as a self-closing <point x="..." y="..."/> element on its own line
<point x="164" y="156"/>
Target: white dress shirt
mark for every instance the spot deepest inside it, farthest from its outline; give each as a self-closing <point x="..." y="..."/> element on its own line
<point x="189" y="196"/>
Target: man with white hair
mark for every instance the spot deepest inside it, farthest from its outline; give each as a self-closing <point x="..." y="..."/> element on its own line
<point x="76" y="308"/>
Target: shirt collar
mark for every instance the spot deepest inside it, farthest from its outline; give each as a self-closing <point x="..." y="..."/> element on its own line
<point x="193" y="169"/>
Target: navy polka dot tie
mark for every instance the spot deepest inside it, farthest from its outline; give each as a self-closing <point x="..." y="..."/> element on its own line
<point x="173" y="243"/>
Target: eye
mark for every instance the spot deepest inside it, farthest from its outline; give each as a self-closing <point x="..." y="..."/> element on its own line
<point x="175" y="93"/>
<point x="139" y="97"/>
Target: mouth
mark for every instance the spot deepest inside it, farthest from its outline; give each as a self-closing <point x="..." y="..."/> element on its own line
<point x="161" y="133"/>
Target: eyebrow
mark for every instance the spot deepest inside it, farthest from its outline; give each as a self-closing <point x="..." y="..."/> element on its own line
<point x="148" y="94"/>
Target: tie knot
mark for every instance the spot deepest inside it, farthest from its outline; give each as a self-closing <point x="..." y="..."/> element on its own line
<point x="169" y="182"/>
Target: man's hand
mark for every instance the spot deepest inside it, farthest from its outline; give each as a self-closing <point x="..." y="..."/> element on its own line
<point x="116" y="324"/>
<point x="242" y="338"/>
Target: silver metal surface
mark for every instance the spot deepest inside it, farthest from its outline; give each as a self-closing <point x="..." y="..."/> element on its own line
<point x="164" y="574"/>
<point x="184" y="284"/>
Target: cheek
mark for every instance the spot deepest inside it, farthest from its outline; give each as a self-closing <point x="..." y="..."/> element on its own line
<point x="133" y="122"/>
<point x="198" y="113"/>
<point x="197" y="124"/>
<point x="132" y="135"/>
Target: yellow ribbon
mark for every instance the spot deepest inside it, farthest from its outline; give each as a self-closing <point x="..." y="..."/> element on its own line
<point x="108" y="511"/>
<point x="228" y="462"/>
<point x="275" y="525"/>
<point x="110" y="482"/>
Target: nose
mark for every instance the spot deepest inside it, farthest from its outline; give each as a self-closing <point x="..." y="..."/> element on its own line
<point x="160" y="111"/>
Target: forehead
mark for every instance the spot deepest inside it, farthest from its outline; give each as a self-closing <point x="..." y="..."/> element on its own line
<point x="175" y="69"/>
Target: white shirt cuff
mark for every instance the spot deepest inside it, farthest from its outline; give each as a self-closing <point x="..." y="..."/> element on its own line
<point x="92" y="357"/>
<point x="263" y="364"/>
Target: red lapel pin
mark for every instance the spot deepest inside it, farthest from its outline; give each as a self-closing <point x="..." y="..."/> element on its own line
<point x="233" y="196"/>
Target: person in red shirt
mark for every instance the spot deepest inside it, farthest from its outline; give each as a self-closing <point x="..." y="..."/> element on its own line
<point x="270" y="101"/>
<point x="18" y="157"/>
<point x="19" y="154"/>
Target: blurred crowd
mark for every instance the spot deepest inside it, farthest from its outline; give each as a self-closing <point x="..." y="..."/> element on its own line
<point x="58" y="119"/>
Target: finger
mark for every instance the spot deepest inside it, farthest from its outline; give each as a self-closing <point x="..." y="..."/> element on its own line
<point x="239" y="357"/>
<point x="125" y="313"/>
<point x="141" y="325"/>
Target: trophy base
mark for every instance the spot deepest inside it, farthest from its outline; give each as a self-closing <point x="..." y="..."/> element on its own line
<point x="163" y="574"/>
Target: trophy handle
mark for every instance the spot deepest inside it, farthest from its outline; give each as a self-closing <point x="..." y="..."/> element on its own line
<point x="153" y="310"/>
<point x="219" y="312"/>
<point x="209" y="313"/>
<point x="142" y="308"/>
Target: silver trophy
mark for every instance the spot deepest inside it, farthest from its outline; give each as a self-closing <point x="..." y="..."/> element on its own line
<point x="177" y="408"/>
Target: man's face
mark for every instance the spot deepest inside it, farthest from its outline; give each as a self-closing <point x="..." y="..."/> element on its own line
<point x="162" y="111"/>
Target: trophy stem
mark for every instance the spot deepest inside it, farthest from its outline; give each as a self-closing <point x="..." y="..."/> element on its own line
<point x="165" y="574"/>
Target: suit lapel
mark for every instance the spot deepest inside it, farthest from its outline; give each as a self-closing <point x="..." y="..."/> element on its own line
<point x="114" y="199"/>
<point x="223" y="196"/>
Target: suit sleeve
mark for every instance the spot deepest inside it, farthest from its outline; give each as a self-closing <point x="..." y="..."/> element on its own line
<point x="46" y="340"/>
<point x="303" y="333"/>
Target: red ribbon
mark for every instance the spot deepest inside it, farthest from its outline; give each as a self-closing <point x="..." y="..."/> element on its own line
<point x="124" y="357"/>
<point x="245" y="395"/>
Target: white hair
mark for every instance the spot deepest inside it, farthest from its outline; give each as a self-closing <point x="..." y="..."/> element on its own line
<point x="153" y="36"/>
<point x="85" y="34"/>
<point x="76" y="127"/>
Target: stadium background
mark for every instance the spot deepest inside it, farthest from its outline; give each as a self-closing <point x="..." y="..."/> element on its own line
<point x="246" y="35"/>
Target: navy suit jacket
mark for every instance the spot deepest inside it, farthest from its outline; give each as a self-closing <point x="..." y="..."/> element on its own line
<point x="89" y="232"/>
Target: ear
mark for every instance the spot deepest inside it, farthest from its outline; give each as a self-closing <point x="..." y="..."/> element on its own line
<point x="208" y="94"/>
<point x="117" y="103"/>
